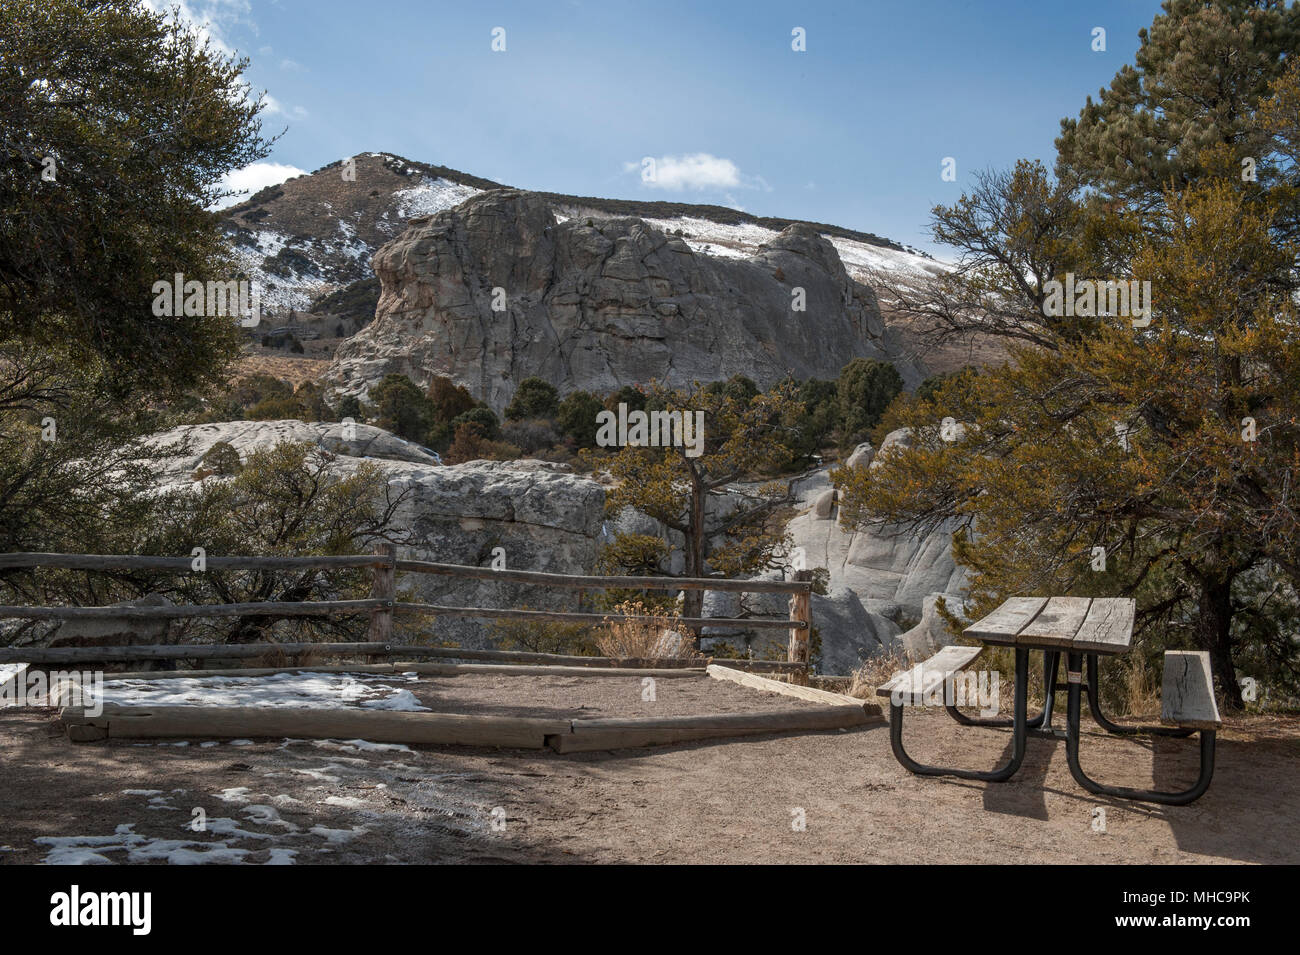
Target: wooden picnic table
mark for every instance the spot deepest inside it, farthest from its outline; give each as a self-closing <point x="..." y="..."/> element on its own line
<point x="1081" y="628"/>
<point x="1097" y="625"/>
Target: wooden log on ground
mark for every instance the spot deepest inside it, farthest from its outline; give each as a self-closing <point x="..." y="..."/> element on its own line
<point x="523" y="656"/>
<point x="272" y="722"/>
<point x="556" y="659"/>
<point x="249" y="672"/>
<point x="588" y="735"/>
<point x="499" y="669"/>
<point x="808" y="693"/>
<point x="604" y="583"/>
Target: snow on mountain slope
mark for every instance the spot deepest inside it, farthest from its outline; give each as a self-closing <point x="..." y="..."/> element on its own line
<point x="743" y="240"/>
<point x="315" y="235"/>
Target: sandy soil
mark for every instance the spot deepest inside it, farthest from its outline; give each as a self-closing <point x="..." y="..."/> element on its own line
<point x="729" y="801"/>
<point x="571" y="698"/>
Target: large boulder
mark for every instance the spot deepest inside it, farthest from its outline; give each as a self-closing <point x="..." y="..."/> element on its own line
<point x="931" y="632"/>
<point x="182" y="449"/>
<point x="496" y="289"/>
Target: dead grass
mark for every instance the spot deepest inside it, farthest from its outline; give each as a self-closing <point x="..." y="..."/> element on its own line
<point x="877" y="670"/>
<point x="656" y="634"/>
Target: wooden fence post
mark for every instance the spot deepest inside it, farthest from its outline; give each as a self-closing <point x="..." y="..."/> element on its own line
<point x="383" y="587"/>
<point x="800" y="612"/>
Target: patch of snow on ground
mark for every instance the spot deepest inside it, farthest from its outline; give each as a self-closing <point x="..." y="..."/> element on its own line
<point x="716" y="238"/>
<point x="357" y="745"/>
<point x="94" y="850"/>
<point x="301" y="690"/>
<point x="861" y="255"/>
<point x="430" y="196"/>
<point x="338" y="836"/>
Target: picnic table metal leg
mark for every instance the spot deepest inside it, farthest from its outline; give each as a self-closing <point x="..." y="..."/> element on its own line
<point x="1002" y="773"/>
<point x="1044" y="717"/>
<point x="1094" y="704"/>
<point x="1073" y="667"/>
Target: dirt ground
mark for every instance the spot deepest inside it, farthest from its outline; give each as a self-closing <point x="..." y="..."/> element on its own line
<point x="572" y="698"/>
<point x="738" y="801"/>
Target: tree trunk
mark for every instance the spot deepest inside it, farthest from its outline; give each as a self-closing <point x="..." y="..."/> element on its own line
<point x="1214" y="633"/>
<point x="693" y="602"/>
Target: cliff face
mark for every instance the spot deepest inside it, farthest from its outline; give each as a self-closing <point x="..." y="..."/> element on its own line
<point x="498" y="289"/>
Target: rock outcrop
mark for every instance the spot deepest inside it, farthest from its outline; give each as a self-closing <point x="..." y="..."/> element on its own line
<point x="498" y="289"/>
<point x="546" y="518"/>
<point x="541" y="515"/>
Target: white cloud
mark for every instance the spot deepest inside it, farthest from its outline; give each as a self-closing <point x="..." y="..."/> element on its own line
<point x="693" y="171"/>
<point x="209" y="19"/>
<point x="273" y="107"/>
<point x="253" y="177"/>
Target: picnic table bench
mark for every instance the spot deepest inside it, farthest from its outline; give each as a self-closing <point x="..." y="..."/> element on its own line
<point x="1081" y="628"/>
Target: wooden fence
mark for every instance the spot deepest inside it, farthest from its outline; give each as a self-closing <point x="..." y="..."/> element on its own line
<point x="382" y="605"/>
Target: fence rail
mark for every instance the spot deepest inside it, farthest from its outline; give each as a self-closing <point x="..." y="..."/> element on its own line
<point x="253" y="651"/>
<point x="382" y="604"/>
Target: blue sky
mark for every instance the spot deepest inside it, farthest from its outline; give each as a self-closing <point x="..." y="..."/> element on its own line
<point x="852" y="131"/>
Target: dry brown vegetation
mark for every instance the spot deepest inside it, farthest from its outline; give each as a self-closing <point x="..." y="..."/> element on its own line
<point x="657" y="634"/>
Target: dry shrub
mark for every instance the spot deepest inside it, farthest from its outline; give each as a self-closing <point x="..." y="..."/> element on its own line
<point x="659" y="634"/>
<point x="876" y="671"/>
<point x="1141" y="695"/>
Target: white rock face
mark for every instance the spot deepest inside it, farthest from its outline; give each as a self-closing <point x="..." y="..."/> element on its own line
<point x="542" y="515"/>
<point x="349" y="441"/>
<point x="547" y="518"/>
<point x="497" y="289"/>
<point x="930" y="633"/>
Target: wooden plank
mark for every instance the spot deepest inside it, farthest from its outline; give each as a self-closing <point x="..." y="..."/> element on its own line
<point x="495" y="613"/>
<point x="181" y="564"/>
<point x="606" y="583"/>
<point x="1003" y="624"/>
<point x="383" y="587"/>
<point x="808" y="693"/>
<point x="589" y="735"/>
<point x="1108" y="628"/>
<point x="1187" y="693"/>
<point x="275" y="722"/>
<point x="524" y="656"/>
<point x="800" y="613"/>
<point x="1056" y="624"/>
<point x="920" y="683"/>
<point x="237" y="673"/>
<point x="193" y="651"/>
<point x="498" y="669"/>
<point x="268" y="608"/>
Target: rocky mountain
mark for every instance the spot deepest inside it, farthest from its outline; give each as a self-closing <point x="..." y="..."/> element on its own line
<point x="502" y="287"/>
<point x="314" y="235"/>
<point x="308" y="242"/>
